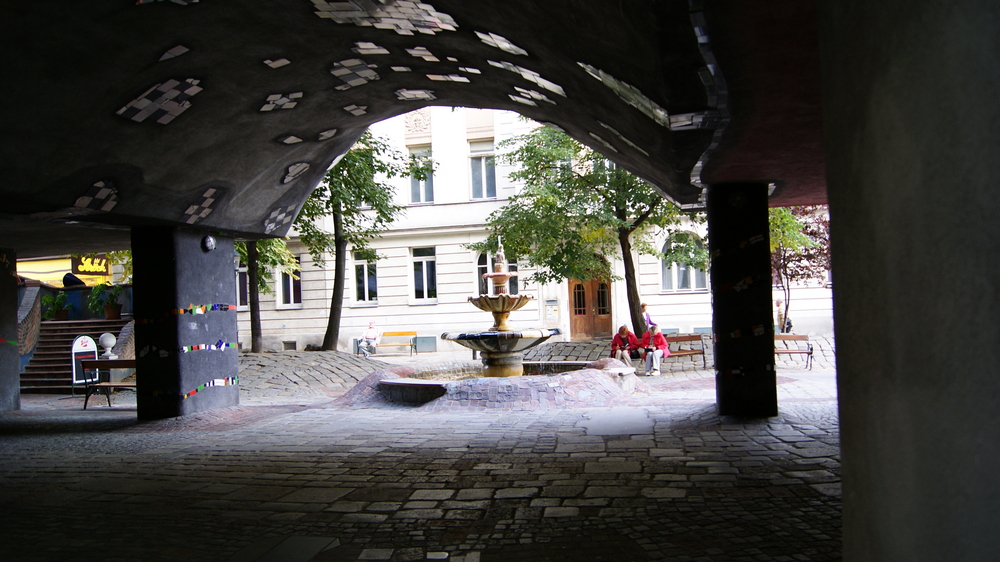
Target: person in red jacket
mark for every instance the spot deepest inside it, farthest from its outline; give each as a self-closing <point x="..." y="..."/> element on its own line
<point x="625" y="346"/>
<point x="654" y="350"/>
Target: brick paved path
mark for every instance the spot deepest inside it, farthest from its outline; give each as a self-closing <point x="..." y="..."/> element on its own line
<point x="290" y="475"/>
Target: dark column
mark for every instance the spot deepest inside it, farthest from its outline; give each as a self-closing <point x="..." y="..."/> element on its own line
<point x="183" y="362"/>
<point x="10" y="357"/>
<point x="741" y="300"/>
<point x="912" y="137"/>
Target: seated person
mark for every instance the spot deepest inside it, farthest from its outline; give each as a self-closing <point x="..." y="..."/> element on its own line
<point x="369" y="339"/>
<point x="655" y="348"/>
<point x="625" y="346"/>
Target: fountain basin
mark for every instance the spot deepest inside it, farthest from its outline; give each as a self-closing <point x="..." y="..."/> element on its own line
<point x="501" y="350"/>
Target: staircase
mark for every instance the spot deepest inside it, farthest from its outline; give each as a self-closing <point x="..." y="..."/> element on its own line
<point x="50" y="370"/>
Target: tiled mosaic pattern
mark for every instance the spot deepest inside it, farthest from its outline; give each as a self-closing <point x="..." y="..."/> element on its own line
<point x="281" y="101"/>
<point x="356" y="110"/>
<point x="630" y="95"/>
<point x="529" y="75"/>
<point x="102" y="196"/>
<point x="278" y="218"/>
<point x="294" y="171"/>
<point x="494" y="40"/>
<point x="404" y="17"/>
<point x="353" y="72"/>
<point x="290" y="139"/>
<point x="448" y="78"/>
<point x="162" y="102"/>
<point x="603" y="142"/>
<point x="202" y="208"/>
<point x="174" y="52"/>
<point x="326" y="135"/>
<point x="277" y="63"/>
<point x="423" y="53"/>
<point x="532" y="95"/>
<point x="623" y="139"/>
<point x="368" y="48"/>
<point x="410" y="95"/>
<point x="717" y="95"/>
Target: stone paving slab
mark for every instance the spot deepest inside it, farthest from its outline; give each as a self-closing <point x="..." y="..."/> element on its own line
<point x="292" y="473"/>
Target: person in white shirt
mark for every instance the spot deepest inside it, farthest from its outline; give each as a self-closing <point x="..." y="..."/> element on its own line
<point x="369" y="339"/>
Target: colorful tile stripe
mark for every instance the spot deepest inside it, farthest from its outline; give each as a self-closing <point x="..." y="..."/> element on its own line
<point x="11" y="342"/>
<point x="228" y="381"/>
<point x="203" y="308"/>
<point x="217" y="346"/>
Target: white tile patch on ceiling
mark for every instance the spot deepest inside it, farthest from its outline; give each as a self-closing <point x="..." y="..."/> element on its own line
<point x="369" y="48"/>
<point x="400" y="69"/>
<point x="294" y="171"/>
<point x="411" y="95"/>
<point x="630" y="95"/>
<point x="162" y="102"/>
<point x="448" y="78"/>
<point x="278" y="217"/>
<point x="328" y="134"/>
<point x="470" y="70"/>
<point x="202" y="208"/>
<point x="404" y="17"/>
<point x="604" y="142"/>
<point x="353" y="72"/>
<point x="174" y="52"/>
<point x="102" y="196"/>
<point x="281" y="101"/>
<point x="532" y="94"/>
<point x="622" y="138"/>
<point x="356" y="110"/>
<point x="277" y="63"/>
<point x="529" y="75"/>
<point x="290" y="139"/>
<point x="423" y="53"/>
<point x="494" y="40"/>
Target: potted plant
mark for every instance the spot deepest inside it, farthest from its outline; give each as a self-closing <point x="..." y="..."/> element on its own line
<point x="104" y="298"/>
<point x="58" y="306"/>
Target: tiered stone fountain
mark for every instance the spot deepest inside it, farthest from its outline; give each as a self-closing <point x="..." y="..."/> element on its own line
<point x="501" y="347"/>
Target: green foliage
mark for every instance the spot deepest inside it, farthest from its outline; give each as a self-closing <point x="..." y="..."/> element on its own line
<point x="355" y="193"/>
<point x="800" y="246"/>
<point x="55" y="304"/>
<point x="122" y="258"/>
<point x="103" y="295"/>
<point x="272" y="254"/>
<point x="576" y="207"/>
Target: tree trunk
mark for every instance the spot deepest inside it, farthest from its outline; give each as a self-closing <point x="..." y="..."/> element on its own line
<point x="256" y="340"/>
<point x="339" y="272"/>
<point x="631" y="285"/>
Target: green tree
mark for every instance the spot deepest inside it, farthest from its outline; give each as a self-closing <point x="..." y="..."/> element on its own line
<point x="800" y="248"/>
<point x="576" y="207"/>
<point x="355" y="195"/>
<point x="262" y="258"/>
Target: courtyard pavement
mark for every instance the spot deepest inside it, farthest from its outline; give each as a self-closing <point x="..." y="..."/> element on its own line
<point x="297" y="474"/>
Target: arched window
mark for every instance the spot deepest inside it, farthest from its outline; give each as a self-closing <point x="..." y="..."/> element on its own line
<point x="486" y="266"/>
<point x="682" y="277"/>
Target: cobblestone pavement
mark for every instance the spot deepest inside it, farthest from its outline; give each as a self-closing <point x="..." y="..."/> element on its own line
<point x="292" y="475"/>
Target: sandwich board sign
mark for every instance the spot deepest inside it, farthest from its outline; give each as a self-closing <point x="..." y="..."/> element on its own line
<point x="83" y="348"/>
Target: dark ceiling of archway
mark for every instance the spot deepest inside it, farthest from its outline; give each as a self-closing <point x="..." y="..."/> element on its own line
<point x="224" y="115"/>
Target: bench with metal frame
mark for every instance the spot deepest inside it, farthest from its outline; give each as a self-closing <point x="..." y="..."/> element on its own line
<point x="410" y="342"/>
<point x="797" y="350"/>
<point x="693" y="340"/>
<point x="97" y="384"/>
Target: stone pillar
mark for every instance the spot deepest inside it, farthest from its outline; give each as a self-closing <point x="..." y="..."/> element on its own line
<point x="183" y="360"/>
<point x="912" y="139"/>
<point x="10" y="357"/>
<point x="741" y="300"/>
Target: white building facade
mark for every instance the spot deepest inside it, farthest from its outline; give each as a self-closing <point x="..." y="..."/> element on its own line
<point x="425" y="273"/>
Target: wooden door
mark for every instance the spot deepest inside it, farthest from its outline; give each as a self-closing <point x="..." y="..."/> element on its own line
<point x="590" y="309"/>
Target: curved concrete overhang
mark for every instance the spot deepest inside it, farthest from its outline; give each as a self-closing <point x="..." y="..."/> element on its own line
<point x="224" y="116"/>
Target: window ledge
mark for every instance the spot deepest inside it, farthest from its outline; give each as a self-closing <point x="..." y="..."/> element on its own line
<point x="296" y="306"/>
<point x="424" y="302"/>
<point x="365" y="304"/>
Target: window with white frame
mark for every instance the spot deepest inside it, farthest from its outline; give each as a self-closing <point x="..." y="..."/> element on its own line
<point x="680" y="276"/>
<point x="486" y="265"/>
<point x="289" y="289"/>
<point x="484" y="176"/>
<point x="242" y="289"/>
<point x="424" y="274"/>
<point x="365" y="281"/>
<point x="421" y="190"/>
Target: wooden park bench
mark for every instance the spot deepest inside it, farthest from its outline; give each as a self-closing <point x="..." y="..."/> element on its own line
<point x="695" y="342"/>
<point x="97" y="384"/>
<point x="794" y="348"/>
<point x="405" y="339"/>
